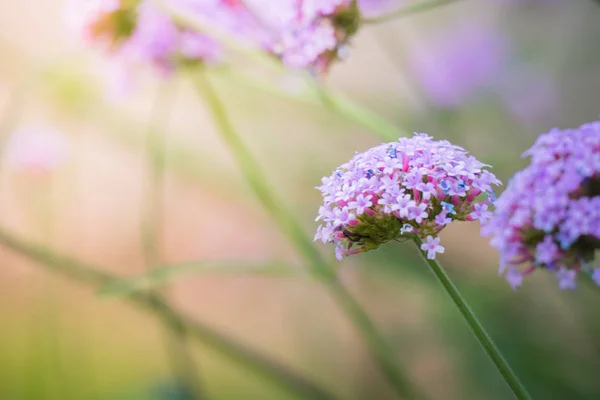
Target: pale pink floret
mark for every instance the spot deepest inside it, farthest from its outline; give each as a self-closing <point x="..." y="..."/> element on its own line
<point x="514" y="277"/>
<point x="362" y="201"/>
<point x="566" y="278"/>
<point x="481" y="212"/>
<point x="432" y="246"/>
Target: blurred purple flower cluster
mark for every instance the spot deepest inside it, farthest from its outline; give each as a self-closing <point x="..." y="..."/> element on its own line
<point x="303" y="34"/>
<point x="474" y="58"/>
<point x="410" y="188"/>
<point x="549" y="215"/>
<point x="452" y="67"/>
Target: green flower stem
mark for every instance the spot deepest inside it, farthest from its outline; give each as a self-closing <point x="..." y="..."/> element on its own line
<point x="359" y="114"/>
<point x="182" y="362"/>
<point x="417" y="8"/>
<point x="255" y="179"/>
<point x="260" y="57"/>
<point x="152" y="218"/>
<point x="313" y="93"/>
<point x="482" y="336"/>
<point x="377" y="345"/>
<point x="256" y="363"/>
<point x="381" y="350"/>
<point x="165" y="274"/>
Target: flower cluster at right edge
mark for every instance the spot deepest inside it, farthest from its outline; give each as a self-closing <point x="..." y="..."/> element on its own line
<point x="549" y="215"/>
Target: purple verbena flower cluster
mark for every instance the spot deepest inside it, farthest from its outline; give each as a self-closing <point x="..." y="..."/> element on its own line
<point x="549" y="215"/>
<point x="303" y="34"/>
<point x="412" y="188"/>
<point x="308" y="33"/>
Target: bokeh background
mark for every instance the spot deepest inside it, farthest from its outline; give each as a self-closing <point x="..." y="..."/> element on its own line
<point x="489" y="75"/>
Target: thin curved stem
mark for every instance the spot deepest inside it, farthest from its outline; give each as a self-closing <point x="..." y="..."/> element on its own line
<point x="314" y="93"/>
<point x="257" y="182"/>
<point x="183" y="364"/>
<point x="152" y="218"/>
<point x="482" y="336"/>
<point x="336" y="102"/>
<point x="408" y="11"/>
<point x="165" y="274"/>
<point x="359" y="114"/>
<point x="383" y="352"/>
<point x="94" y="276"/>
<point x="375" y="341"/>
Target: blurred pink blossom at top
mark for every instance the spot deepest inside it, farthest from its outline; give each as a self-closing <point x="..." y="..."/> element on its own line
<point x="36" y="149"/>
<point x="302" y="34"/>
<point x="86" y="19"/>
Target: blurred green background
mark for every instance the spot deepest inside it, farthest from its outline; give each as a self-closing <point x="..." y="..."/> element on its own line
<point x="59" y="340"/>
